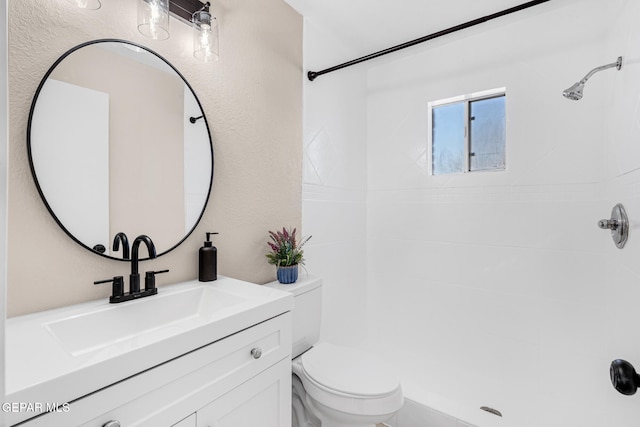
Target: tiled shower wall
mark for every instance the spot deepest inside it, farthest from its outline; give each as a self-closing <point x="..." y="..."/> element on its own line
<point x="334" y="185"/>
<point x="493" y="288"/>
<point x="493" y="277"/>
<point x="621" y="141"/>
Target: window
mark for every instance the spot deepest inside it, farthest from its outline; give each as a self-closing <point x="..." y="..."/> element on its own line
<point x="468" y="133"/>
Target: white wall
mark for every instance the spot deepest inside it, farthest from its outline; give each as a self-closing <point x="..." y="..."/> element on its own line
<point x="81" y="128"/>
<point x="334" y="185"/>
<point x="497" y="289"/>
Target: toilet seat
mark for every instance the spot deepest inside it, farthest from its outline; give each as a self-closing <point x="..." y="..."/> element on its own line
<point x="349" y="371"/>
<point x="349" y="380"/>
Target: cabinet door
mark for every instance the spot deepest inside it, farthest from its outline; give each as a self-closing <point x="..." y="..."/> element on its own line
<point x="264" y="401"/>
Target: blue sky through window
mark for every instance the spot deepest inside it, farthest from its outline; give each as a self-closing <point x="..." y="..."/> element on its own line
<point x="448" y="139"/>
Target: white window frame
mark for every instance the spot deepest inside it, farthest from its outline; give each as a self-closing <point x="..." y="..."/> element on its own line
<point x="475" y="96"/>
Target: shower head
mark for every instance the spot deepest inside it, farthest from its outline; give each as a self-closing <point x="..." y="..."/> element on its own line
<point x="574" y="93"/>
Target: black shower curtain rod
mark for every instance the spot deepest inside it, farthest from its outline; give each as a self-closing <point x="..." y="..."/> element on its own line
<point x="311" y="75"/>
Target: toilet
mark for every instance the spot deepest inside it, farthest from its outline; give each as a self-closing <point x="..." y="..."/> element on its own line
<point x="332" y="385"/>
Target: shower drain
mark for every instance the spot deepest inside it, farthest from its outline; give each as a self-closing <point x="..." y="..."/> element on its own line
<point x="491" y="410"/>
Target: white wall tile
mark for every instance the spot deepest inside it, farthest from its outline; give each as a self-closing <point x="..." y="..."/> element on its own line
<point x="334" y="193"/>
<point x="334" y="221"/>
<point x="488" y="279"/>
<point x="341" y="266"/>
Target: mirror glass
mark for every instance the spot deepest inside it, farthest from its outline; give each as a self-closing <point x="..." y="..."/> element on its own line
<point x="118" y="143"/>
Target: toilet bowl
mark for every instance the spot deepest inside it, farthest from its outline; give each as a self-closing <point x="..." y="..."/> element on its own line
<point x="346" y="387"/>
<point x="332" y="385"/>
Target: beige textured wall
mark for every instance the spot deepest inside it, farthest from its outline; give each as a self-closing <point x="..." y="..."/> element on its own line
<point x="252" y="98"/>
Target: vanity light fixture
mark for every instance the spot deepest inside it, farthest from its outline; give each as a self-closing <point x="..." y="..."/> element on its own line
<point x="191" y="12"/>
<point x="153" y="19"/>
<point x="87" y="4"/>
<point x="153" y="22"/>
<point x="205" y="35"/>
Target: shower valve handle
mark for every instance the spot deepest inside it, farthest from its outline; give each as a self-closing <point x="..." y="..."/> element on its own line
<point x="608" y="224"/>
<point x="624" y="377"/>
<point x="618" y="224"/>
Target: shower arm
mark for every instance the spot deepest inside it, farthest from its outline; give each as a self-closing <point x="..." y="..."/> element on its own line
<point x="617" y="64"/>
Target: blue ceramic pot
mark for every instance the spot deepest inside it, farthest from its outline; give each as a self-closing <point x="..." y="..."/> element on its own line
<point x="288" y="274"/>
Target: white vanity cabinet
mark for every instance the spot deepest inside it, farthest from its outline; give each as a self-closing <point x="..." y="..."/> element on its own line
<point x="262" y="401"/>
<point x="242" y="380"/>
<point x="258" y="402"/>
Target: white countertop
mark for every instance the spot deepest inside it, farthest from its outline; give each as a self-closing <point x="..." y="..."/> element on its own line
<point x="47" y="360"/>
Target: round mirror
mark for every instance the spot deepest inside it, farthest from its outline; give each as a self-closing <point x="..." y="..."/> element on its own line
<point x="118" y="143"/>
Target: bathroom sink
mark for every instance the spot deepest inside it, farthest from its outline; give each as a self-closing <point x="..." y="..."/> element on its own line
<point x="69" y="352"/>
<point x="146" y="319"/>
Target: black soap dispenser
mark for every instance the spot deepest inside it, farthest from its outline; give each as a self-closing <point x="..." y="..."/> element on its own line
<point x="208" y="258"/>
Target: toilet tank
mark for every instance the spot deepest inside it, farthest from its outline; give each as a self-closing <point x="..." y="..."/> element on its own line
<point x="307" y="311"/>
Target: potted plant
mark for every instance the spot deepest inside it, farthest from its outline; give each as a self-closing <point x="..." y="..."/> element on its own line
<point x="286" y="254"/>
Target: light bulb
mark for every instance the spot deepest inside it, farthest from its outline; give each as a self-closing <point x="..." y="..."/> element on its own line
<point x="205" y="36"/>
<point x="153" y="19"/>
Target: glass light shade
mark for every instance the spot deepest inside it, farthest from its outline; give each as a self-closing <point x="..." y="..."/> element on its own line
<point x="153" y="19"/>
<point x="87" y="4"/>
<point x="205" y="36"/>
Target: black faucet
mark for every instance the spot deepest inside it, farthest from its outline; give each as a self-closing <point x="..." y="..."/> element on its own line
<point x="121" y="238"/>
<point x="134" y="277"/>
<point x="118" y="294"/>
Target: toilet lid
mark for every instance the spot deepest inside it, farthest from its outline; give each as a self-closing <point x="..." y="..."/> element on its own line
<point x="350" y="371"/>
